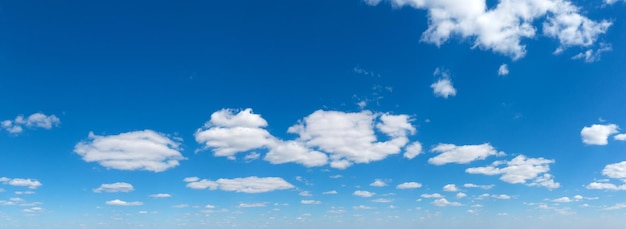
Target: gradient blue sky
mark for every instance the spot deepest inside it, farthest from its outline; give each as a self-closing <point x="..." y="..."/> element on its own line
<point x="312" y="114"/>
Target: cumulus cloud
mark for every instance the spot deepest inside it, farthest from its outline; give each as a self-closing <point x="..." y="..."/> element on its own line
<point x="520" y="170"/>
<point x="115" y="187"/>
<point x="443" y="86"/>
<point x="444" y="203"/>
<point x="502" y="28"/>
<point x="36" y="120"/>
<point x="409" y="185"/>
<point x="486" y="187"/>
<point x="564" y="199"/>
<point x="161" y="195"/>
<point x="450" y="153"/>
<point x="252" y="205"/>
<point x="450" y="188"/>
<point x="460" y="195"/>
<point x="339" y="137"/>
<point x="30" y="183"/>
<point x="503" y="70"/>
<point x="415" y="148"/>
<point x="434" y="195"/>
<point x="136" y="150"/>
<point x="598" y="134"/>
<point x="118" y="202"/>
<point x="251" y="184"/>
<point x="308" y="202"/>
<point x="620" y="137"/>
<point x="615" y="171"/>
<point x="361" y="193"/>
<point x="378" y="183"/>
<point x="331" y="192"/>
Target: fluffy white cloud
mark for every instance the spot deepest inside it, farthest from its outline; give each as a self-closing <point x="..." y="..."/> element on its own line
<point x="616" y="207"/>
<point x="598" y="134"/>
<point x="502" y="28"/>
<point x="310" y="202"/>
<point x="363" y="193"/>
<point x="246" y="185"/>
<point x="378" y="183"/>
<point x="615" y="171"/>
<point x="450" y="188"/>
<point x="620" y="137"/>
<point x="115" y="187"/>
<point x="362" y="207"/>
<point x="564" y="199"/>
<point x="161" y="195"/>
<point x="434" y="195"/>
<point x="470" y="185"/>
<point x="409" y="185"/>
<point x="519" y="170"/>
<point x="501" y="197"/>
<point x="382" y="200"/>
<point x="450" y="153"/>
<point x="305" y="193"/>
<point x="503" y="70"/>
<point x="33" y="210"/>
<point x="444" y="203"/>
<point x="332" y="192"/>
<point x="339" y="137"/>
<point x="414" y="149"/>
<point x="118" y="202"/>
<point x="443" y="88"/>
<point x="592" y="55"/>
<point x="36" y="120"/>
<point x="137" y="150"/>
<point x="605" y="186"/>
<point x="30" y="183"/>
<point x="460" y="195"/>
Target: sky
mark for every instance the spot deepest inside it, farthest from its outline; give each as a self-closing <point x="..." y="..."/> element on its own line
<point x="313" y="114"/>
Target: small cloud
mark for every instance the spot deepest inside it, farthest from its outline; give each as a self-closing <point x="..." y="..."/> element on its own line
<point x="382" y="200"/>
<point x="362" y="207"/>
<point x="308" y="202"/>
<point x="409" y="185"/>
<point x="503" y="70"/>
<point x="305" y="193"/>
<point x="330" y="192"/>
<point x="591" y="55"/>
<point x="30" y="183"/>
<point x="444" y="203"/>
<point x="36" y="120"/>
<point x="363" y="193"/>
<point x="598" y="134"/>
<point x="378" y="183"/>
<point x="450" y="188"/>
<point x="115" y="187"/>
<point x="161" y="195"/>
<point x="434" y="195"/>
<point x="562" y="200"/>
<point x="118" y="202"/>
<point x="252" y="205"/>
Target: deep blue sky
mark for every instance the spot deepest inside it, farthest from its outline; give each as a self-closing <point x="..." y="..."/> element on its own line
<point x="158" y="82"/>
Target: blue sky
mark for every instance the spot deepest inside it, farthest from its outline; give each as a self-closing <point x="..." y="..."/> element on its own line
<point x="312" y="114"/>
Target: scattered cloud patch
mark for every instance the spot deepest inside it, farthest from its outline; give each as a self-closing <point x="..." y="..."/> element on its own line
<point x="361" y="193"/>
<point x="161" y="195"/>
<point x="332" y="192"/>
<point x="305" y="193"/>
<point x="564" y="199"/>
<point x="30" y="183"/>
<point x="502" y="28"/>
<point x="620" y="137"/>
<point x="592" y="55"/>
<point x="450" y="188"/>
<point x="415" y="148"/>
<point x="36" y="120"/>
<point x="434" y="195"/>
<point x="409" y="185"/>
<point x="503" y="70"/>
<point x="115" y="187"/>
<point x="597" y="134"/>
<point x="137" y="150"/>
<point x="614" y="171"/>
<point x="442" y="202"/>
<point x="486" y="187"/>
<point x="382" y="200"/>
<point x="308" y="202"/>
<point x="362" y="207"/>
<point x="118" y="202"/>
<point x="378" y="183"/>
<point x="252" y="205"/>
<point x="443" y="86"/>
<point x="520" y="170"/>
<point x="246" y="185"/>
<point x="450" y="153"/>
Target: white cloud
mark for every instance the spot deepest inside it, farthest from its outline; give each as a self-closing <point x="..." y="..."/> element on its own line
<point x="118" y="202"/>
<point x="363" y="193"/>
<point x="501" y="197"/>
<point x="450" y="188"/>
<point x="209" y="206"/>
<point x="382" y="200"/>
<point x="332" y="192"/>
<point x="519" y="170"/>
<point x="444" y="203"/>
<point x="598" y="134"/>
<point x="252" y="205"/>
<point x="33" y="210"/>
<point x="36" y="120"/>
<point x="246" y="185"/>
<point x="21" y="192"/>
<point x="434" y="195"/>
<point x="115" y="187"/>
<point x="502" y="28"/>
<point x="616" y="170"/>
<point x="486" y="187"/>
<point x="450" y="153"/>
<point x="310" y="202"/>
<point x="460" y="195"/>
<point x="605" y="1"/>
<point x="339" y="137"/>
<point x="305" y="193"/>
<point x="503" y="70"/>
<point x="414" y="149"/>
<point x="616" y="206"/>
<point x="591" y="55"/>
<point x="378" y="183"/>
<point x="161" y="195"/>
<point x="620" y="137"/>
<point x="562" y="200"/>
<point x="443" y="88"/>
<point x="409" y="185"/>
<point x="30" y="183"/>
<point x="607" y="186"/>
<point x="136" y="150"/>
<point x="362" y="207"/>
<point x="252" y="156"/>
